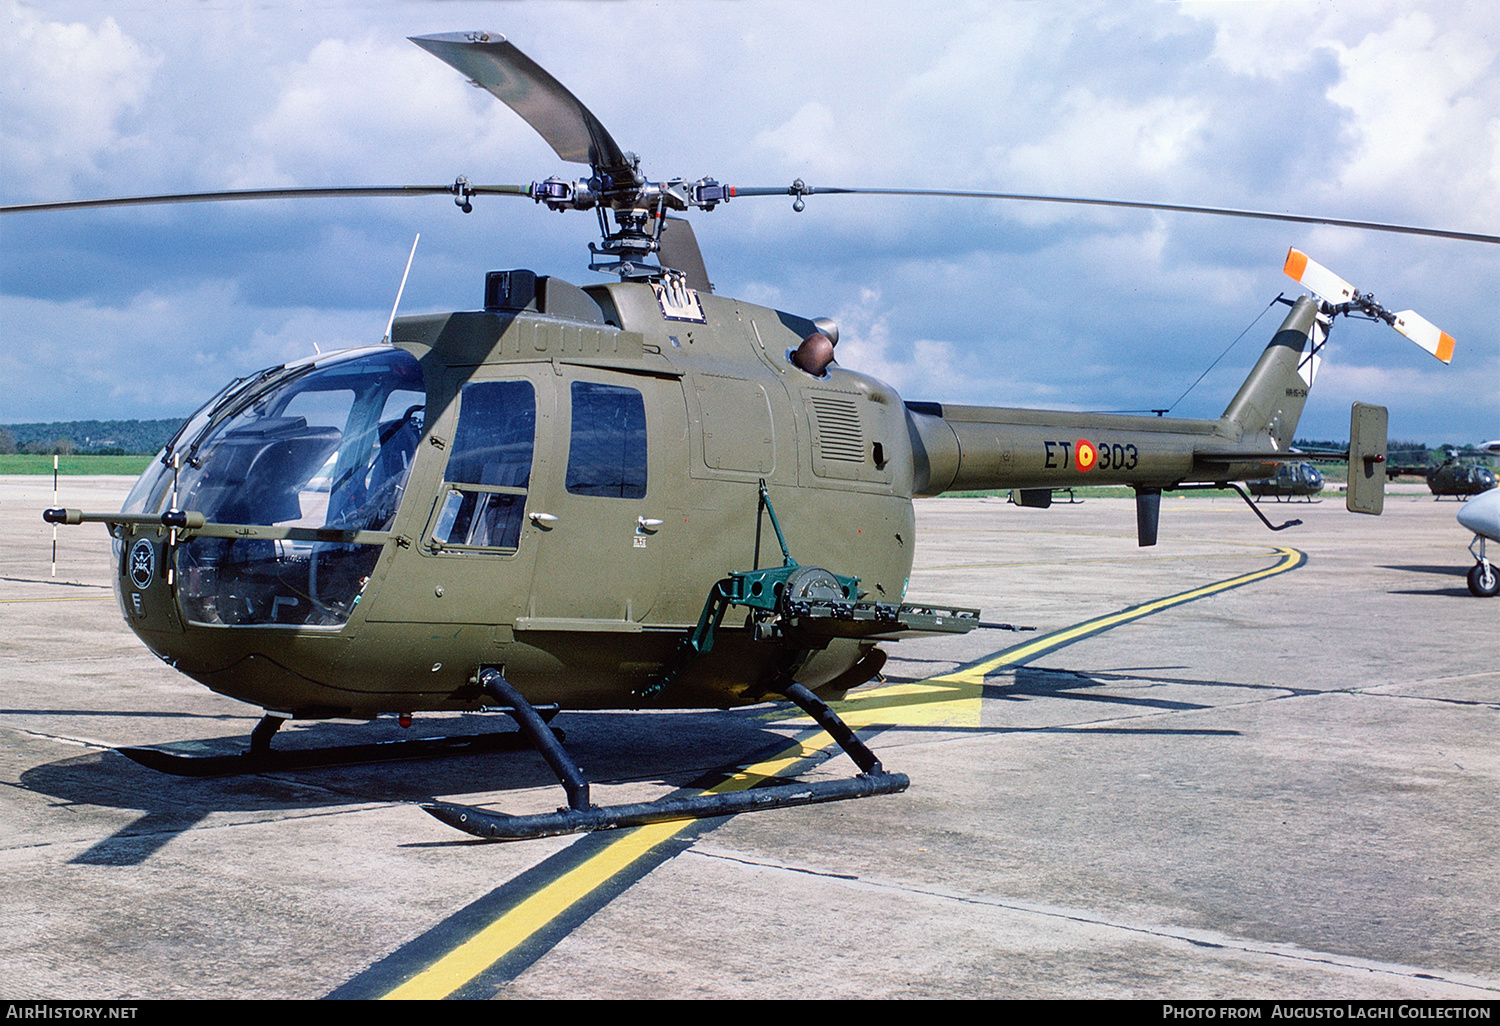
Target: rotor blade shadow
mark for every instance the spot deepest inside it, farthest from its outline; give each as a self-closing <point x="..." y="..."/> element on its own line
<point x="1450" y="592"/>
<point x="134" y="844"/>
<point x="988" y="731"/>
<point x="134" y="714"/>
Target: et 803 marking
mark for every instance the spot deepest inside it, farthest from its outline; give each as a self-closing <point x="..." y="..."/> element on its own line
<point x="1084" y="455"/>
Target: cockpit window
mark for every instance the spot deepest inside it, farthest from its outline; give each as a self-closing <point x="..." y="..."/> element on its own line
<point x="328" y="445"/>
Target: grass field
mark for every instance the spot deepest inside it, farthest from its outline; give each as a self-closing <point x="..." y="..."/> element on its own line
<point x="19" y="463"/>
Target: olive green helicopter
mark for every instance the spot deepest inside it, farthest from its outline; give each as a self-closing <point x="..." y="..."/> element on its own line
<point x="1454" y="476"/>
<point x="636" y="494"/>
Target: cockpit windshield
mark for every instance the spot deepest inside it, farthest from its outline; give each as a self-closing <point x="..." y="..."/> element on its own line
<point x="328" y="444"/>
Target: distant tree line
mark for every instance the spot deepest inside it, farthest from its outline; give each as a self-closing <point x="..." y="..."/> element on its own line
<point x="1408" y="453"/>
<point x="1392" y="445"/>
<point x="88" y="437"/>
<point x="146" y="437"/>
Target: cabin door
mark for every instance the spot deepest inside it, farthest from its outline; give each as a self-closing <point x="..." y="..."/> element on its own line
<point x="609" y="514"/>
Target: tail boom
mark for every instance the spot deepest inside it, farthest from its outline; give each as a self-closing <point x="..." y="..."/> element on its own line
<point x="961" y="448"/>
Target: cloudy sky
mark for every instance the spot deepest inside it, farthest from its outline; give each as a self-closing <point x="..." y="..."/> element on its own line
<point x="1384" y="111"/>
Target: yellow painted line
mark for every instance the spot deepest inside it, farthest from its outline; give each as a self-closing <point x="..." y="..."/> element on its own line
<point x="925" y="703"/>
<point x="1082" y="562"/>
<point x="952" y="699"/>
<point x="1290" y="559"/>
<point x="504" y="935"/>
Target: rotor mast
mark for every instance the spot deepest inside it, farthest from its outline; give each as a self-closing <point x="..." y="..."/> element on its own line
<point x="615" y="187"/>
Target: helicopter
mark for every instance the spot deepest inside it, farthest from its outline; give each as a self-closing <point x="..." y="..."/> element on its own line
<point x="1454" y="477"/>
<point x="634" y="494"/>
<point x="1291" y="480"/>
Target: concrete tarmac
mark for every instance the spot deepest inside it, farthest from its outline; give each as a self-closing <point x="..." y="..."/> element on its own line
<point x="1283" y="789"/>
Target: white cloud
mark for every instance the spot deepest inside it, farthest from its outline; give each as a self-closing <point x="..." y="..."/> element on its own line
<point x="1147" y="143"/>
<point x="923" y="367"/>
<point x="1286" y="106"/>
<point x="811" y="139"/>
<point x="1426" y="126"/>
<point x="156" y="353"/>
<point x="374" y="110"/>
<point x="65" y="92"/>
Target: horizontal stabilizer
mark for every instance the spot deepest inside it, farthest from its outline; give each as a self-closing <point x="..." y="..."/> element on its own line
<point x="1425" y="334"/>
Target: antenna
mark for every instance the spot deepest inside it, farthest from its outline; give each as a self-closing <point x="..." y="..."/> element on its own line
<point x="394" y="306"/>
<point x="54" y="504"/>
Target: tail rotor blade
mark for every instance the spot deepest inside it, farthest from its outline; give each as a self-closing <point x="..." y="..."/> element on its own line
<point x="1345" y="298"/>
<point x="1425" y="334"/>
<point x="1318" y="279"/>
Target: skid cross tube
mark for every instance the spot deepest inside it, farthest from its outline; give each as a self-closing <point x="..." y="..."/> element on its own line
<point x="836" y="728"/>
<point x="578" y="818"/>
<point x="535" y="729"/>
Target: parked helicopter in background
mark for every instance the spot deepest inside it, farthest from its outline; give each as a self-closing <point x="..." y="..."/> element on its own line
<point x="1453" y="476"/>
<point x="1456" y="478"/>
<point x="558" y="499"/>
<point x="1291" y="481"/>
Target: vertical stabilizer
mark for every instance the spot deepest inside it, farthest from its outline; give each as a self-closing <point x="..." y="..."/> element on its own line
<point x="1271" y="399"/>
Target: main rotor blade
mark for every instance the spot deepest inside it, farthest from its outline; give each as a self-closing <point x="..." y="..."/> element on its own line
<point x="1376" y="226"/>
<point x="495" y="65"/>
<point x="261" y="194"/>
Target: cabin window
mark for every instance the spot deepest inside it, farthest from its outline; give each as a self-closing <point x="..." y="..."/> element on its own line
<point x="607" y="447"/>
<point x="489" y="472"/>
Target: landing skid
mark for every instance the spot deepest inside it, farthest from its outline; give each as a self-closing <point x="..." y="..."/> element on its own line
<point x="180" y="761"/>
<point x="581" y="816"/>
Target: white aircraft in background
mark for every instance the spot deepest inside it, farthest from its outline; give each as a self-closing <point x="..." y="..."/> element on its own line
<point x="1481" y="515"/>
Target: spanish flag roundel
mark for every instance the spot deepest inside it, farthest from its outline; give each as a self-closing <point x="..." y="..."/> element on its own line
<point x="1085" y="455"/>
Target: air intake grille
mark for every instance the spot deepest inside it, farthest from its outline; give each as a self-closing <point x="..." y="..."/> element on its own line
<point x="839" y="434"/>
